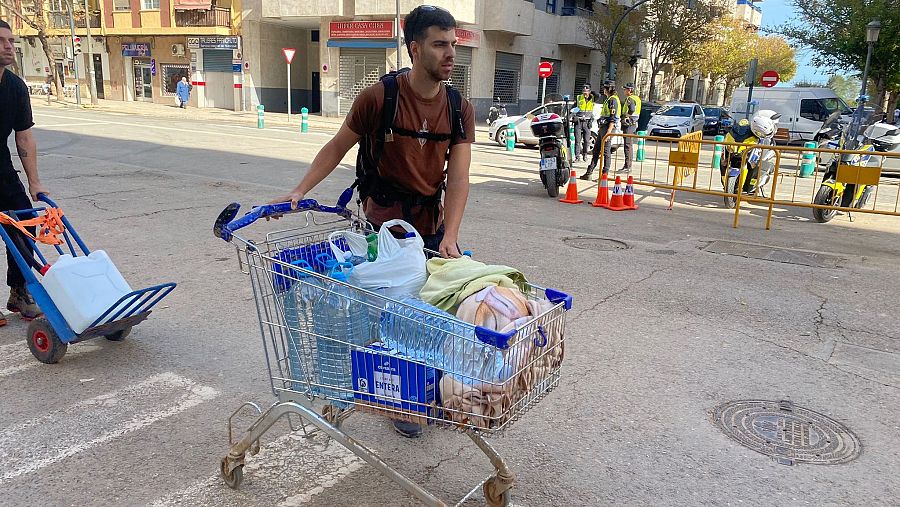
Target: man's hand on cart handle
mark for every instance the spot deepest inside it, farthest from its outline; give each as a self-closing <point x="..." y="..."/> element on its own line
<point x="449" y="249"/>
<point x="294" y="197"/>
<point x="35" y="188"/>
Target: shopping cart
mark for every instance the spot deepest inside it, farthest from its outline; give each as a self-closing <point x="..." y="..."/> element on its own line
<point x="461" y="377"/>
<point x="50" y="334"/>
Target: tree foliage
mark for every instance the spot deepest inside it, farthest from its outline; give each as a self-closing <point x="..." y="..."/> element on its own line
<point x="836" y="31"/>
<point x="630" y="34"/>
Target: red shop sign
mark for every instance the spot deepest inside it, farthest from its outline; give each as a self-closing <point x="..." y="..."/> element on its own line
<point x="361" y="30"/>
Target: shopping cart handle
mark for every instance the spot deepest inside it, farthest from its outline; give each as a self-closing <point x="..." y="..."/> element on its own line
<point x="226" y="224"/>
<point x="44" y="197"/>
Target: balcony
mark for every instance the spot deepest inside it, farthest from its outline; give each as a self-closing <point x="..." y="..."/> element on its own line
<point x="60" y="20"/>
<point x="572" y="32"/>
<point x="515" y="17"/>
<point x="576" y="11"/>
<point x="216" y="16"/>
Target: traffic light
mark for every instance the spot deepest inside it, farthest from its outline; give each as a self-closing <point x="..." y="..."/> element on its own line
<point x="612" y="71"/>
<point x="76" y="43"/>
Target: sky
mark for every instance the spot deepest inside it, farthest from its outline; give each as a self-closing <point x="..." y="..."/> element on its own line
<point x="776" y="12"/>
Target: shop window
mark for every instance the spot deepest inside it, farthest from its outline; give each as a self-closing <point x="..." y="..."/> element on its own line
<point x="171" y="75"/>
<point x="122" y="5"/>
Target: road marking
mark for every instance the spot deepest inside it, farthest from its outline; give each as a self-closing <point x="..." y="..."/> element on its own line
<point x="289" y="471"/>
<point x="16" y="357"/>
<point x="45" y="440"/>
<point x="95" y="122"/>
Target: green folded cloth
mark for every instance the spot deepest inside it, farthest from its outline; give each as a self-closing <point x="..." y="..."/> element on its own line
<point x="450" y="281"/>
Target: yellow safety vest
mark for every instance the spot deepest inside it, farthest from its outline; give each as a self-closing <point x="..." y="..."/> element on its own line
<point x="636" y="101"/>
<point x="586" y="105"/>
<point x="612" y="107"/>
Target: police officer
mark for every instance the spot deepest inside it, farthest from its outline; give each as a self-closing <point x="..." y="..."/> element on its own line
<point x="583" y="122"/>
<point x="631" y="111"/>
<point x="608" y="121"/>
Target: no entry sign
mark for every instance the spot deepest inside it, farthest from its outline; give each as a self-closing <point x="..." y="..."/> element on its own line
<point x="545" y="69"/>
<point x="769" y="78"/>
<point x="289" y="53"/>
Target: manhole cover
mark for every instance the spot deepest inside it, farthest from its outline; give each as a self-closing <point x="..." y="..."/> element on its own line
<point x="600" y="244"/>
<point x="787" y="433"/>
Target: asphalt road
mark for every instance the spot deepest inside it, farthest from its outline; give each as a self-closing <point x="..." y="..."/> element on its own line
<point x="662" y="332"/>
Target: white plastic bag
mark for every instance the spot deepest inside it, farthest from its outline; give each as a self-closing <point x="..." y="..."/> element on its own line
<point x="359" y="247"/>
<point x="399" y="269"/>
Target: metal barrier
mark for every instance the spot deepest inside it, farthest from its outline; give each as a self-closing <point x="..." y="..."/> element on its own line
<point x="675" y="164"/>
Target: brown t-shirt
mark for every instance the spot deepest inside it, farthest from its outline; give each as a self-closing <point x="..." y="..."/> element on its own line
<point x="410" y="163"/>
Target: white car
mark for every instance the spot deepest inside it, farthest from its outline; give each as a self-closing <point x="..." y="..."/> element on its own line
<point x="497" y="130"/>
<point x="676" y="119"/>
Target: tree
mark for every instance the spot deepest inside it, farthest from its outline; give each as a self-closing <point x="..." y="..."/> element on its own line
<point x="675" y="32"/>
<point x="630" y="34"/>
<point x="846" y="88"/>
<point x="836" y="31"/>
<point x="726" y="57"/>
<point x="39" y="23"/>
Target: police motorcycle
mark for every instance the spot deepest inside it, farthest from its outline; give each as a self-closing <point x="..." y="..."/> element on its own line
<point x="556" y="157"/>
<point x="876" y="136"/>
<point x="497" y="110"/>
<point x="760" y="162"/>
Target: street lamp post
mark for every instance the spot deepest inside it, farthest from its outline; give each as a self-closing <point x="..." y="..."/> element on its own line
<point x="872" y="31"/>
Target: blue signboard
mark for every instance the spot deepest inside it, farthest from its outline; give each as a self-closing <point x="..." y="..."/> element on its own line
<point x="153" y="66"/>
<point x="136" y="49"/>
<point x="236" y="68"/>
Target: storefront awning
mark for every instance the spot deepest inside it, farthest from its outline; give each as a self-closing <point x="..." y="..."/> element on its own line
<point x="186" y="5"/>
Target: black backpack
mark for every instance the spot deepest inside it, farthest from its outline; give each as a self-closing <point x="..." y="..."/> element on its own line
<point x="368" y="182"/>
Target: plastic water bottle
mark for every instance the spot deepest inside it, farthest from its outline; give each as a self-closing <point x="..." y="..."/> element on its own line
<point x="406" y="327"/>
<point x="340" y="321"/>
<point x="299" y="302"/>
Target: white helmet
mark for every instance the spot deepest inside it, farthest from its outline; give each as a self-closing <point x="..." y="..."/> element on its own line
<point x="764" y="123"/>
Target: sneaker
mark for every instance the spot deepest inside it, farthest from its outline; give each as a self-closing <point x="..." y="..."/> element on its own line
<point x="624" y="170"/>
<point x="21" y="302"/>
<point x="3" y="320"/>
<point x="408" y="429"/>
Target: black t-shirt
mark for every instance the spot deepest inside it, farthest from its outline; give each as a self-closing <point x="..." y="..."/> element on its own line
<point x="15" y="114"/>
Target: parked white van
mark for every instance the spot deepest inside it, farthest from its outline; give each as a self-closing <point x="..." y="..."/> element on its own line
<point x="803" y="110"/>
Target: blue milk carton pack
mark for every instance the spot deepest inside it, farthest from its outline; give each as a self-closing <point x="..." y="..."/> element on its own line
<point x="392" y="381"/>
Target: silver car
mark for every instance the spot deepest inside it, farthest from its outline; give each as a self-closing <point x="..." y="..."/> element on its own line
<point x="676" y="119"/>
<point x="497" y="130"/>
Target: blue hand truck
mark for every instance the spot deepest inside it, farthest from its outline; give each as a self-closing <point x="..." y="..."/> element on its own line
<point x="50" y="335"/>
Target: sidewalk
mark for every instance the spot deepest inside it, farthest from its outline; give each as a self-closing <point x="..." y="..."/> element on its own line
<point x="316" y="122"/>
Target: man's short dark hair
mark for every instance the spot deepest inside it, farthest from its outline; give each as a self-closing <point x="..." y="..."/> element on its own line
<point x="423" y="17"/>
<point x="4" y="24"/>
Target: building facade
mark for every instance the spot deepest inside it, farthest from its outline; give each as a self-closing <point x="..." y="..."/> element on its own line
<point x="141" y="48"/>
<point x="344" y="46"/>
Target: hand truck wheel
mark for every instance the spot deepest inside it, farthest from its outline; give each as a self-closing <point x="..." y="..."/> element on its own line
<point x="234" y="478"/>
<point x="44" y="342"/>
<point x="119" y="335"/>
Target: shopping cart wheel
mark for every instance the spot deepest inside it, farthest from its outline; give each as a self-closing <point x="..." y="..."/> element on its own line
<point x="119" y="335"/>
<point x="234" y="478"/>
<point x="492" y="499"/>
<point x="44" y="342"/>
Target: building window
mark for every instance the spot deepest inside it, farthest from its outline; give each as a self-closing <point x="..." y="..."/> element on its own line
<point x="171" y="75"/>
<point x="149" y="5"/>
<point x="122" y="5"/>
<point x="314" y="36"/>
<point x="551" y="6"/>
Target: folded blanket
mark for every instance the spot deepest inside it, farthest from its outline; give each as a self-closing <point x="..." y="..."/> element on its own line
<point x="450" y="281"/>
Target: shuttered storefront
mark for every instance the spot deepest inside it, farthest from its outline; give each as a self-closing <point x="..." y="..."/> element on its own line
<point x="507" y="77"/>
<point x="218" y="77"/>
<point x="461" y="78"/>
<point x="359" y="68"/>
<point x="217" y="60"/>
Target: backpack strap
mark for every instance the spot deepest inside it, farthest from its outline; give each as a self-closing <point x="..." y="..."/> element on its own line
<point x="454" y="106"/>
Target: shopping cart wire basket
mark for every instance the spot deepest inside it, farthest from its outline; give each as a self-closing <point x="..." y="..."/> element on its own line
<point x="332" y="348"/>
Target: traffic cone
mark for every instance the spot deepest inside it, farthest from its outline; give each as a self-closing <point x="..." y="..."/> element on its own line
<point x="572" y="190"/>
<point x="617" y="202"/>
<point x="602" y="193"/>
<point x="628" y="198"/>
